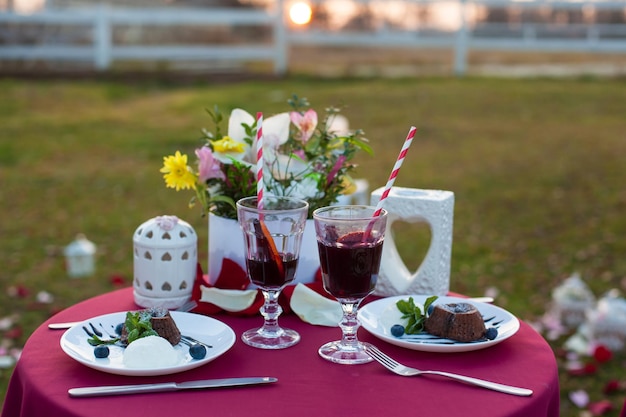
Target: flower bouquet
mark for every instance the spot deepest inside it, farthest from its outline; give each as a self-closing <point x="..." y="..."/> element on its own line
<point x="304" y="157"/>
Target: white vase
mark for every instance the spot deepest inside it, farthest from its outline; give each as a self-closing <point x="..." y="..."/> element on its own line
<point x="435" y="208"/>
<point x="226" y="242"/>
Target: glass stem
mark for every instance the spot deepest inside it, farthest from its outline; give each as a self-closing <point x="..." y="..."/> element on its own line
<point x="270" y="312"/>
<point x="349" y="323"/>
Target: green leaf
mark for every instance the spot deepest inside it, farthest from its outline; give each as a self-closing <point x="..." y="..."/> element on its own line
<point x="414" y="314"/>
<point x="133" y="335"/>
<point x="96" y="341"/>
<point x="406" y="306"/>
<point x="138" y="325"/>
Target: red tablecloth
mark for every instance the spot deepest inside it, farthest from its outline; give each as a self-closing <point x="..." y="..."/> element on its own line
<point x="307" y="386"/>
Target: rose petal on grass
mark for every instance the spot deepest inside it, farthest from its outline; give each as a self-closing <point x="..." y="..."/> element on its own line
<point x="611" y="387"/>
<point x="602" y="354"/>
<point x="14" y="333"/>
<point x="6" y="362"/>
<point x="6" y="323"/>
<point x="18" y="291"/>
<point x="45" y="297"/>
<point x="584" y="369"/>
<point x="600" y="408"/>
<point x="16" y="353"/>
<point x="580" y="398"/>
<point x="117" y="280"/>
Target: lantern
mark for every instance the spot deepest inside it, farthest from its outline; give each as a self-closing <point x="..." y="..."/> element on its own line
<point x="80" y="257"/>
<point x="165" y="260"/>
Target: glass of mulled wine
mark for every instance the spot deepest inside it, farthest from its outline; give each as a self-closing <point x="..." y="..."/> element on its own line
<point x="272" y="239"/>
<point x="350" y="243"/>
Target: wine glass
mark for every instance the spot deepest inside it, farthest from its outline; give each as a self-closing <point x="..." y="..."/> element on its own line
<point x="350" y="243"/>
<point x="272" y="240"/>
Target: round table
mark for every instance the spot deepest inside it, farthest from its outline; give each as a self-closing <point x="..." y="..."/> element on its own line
<point x="307" y="385"/>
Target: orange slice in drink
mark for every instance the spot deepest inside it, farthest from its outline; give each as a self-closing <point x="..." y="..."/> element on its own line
<point x="266" y="243"/>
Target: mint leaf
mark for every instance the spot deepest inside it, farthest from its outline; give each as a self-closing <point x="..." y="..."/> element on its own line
<point x="414" y="314"/>
<point x="96" y="341"/>
<point x="138" y="325"/>
<point x="406" y="307"/>
<point x="428" y="302"/>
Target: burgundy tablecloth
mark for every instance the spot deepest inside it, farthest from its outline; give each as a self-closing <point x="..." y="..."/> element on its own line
<point x="307" y="386"/>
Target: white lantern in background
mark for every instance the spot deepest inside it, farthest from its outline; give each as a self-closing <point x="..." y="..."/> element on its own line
<point x="80" y="257"/>
<point x="165" y="260"/>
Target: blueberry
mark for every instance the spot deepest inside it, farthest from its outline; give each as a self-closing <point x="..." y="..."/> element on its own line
<point x="397" y="330"/>
<point x="491" y="333"/>
<point x="101" y="351"/>
<point x="118" y="329"/>
<point x="197" y="351"/>
<point x="430" y="309"/>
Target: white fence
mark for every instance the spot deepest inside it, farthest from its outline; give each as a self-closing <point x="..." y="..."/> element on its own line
<point x="101" y="50"/>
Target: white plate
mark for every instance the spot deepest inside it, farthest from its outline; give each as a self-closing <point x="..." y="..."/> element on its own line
<point x="378" y="316"/>
<point x="205" y="329"/>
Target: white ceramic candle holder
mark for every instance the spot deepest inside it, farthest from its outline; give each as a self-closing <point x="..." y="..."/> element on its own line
<point x="434" y="207"/>
<point x="165" y="261"/>
<point x="80" y="257"/>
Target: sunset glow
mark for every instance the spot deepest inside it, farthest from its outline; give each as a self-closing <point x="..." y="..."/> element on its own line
<point x="300" y="13"/>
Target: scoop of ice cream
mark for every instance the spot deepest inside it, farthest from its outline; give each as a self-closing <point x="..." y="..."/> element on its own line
<point x="151" y="352"/>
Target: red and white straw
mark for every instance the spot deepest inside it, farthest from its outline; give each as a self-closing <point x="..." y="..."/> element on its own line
<point x="394" y="171"/>
<point x="260" y="184"/>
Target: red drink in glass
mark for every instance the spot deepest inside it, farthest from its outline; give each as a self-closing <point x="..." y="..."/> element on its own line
<point x="350" y="269"/>
<point x="267" y="274"/>
<point x="350" y="245"/>
<point x="272" y="239"/>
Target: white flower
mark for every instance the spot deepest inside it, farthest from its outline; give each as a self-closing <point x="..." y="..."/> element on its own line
<point x="237" y="144"/>
<point x="286" y="166"/>
<point x="305" y="189"/>
<point x="338" y="124"/>
<point x="276" y="131"/>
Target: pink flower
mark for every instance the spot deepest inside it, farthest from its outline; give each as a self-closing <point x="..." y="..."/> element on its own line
<point x="306" y="123"/>
<point x="336" y="168"/>
<point x="208" y="166"/>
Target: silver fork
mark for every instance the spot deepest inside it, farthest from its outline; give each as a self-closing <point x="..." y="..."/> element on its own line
<point x="400" y="369"/>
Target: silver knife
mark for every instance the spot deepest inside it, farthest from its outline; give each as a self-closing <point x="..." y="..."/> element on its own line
<point x="167" y="386"/>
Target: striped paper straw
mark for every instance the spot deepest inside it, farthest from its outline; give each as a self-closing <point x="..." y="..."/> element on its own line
<point x="394" y="171"/>
<point x="260" y="185"/>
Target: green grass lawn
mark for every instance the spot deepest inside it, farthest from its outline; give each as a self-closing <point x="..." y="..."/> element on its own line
<point x="537" y="167"/>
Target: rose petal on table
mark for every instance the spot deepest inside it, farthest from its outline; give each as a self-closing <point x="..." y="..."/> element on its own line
<point x="314" y="308"/>
<point x="229" y="300"/>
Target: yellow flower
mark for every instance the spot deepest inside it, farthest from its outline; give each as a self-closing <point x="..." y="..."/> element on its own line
<point x="349" y="186"/>
<point x="177" y="173"/>
<point x="227" y="144"/>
